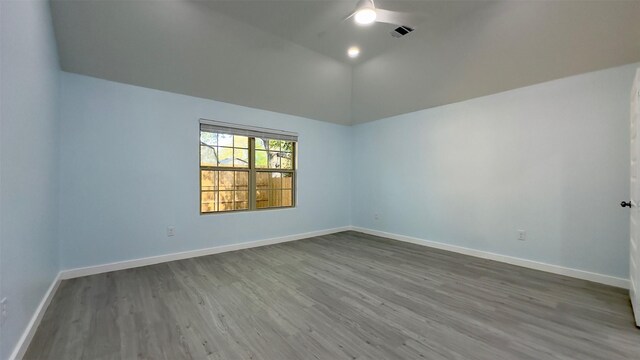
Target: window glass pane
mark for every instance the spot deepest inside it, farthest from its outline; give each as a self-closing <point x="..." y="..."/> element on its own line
<point x="274" y="160"/>
<point x="242" y="180"/>
<point x="261" y="159"/>
<point x="209" y="201"/>
<point x="261" y="144"/>
<point x="287" y="146"/>
<point x="208" y="156"/>
<point x="226" y="180"/>
<point x="209" y="180"/>
<point x="241" y="200"/>
<point x="225" y="140"/>
<point x="225" y="156"/>
<point x="287" y="181"/>
<point x="240" y="141"/>
<point x="274" y="145"/>
<point x="262" y="199"/>
<point x="241" y="196"/>
<point x="287" y="198"/>
<point x="209" y="138"/>
<point x="286" y="161"/>
<point x="241" y="158"/>
<point x="225" y="200"/>
<point x="262" y="180"/>
<point x="276" y="180"/>
<point x="274" y="189"/>
<point x="275" y="198"/>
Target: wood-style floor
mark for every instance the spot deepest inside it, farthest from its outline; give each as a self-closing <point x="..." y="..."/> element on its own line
<point x="341" y="296"/>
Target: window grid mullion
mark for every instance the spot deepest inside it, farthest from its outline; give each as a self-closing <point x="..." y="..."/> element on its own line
<point x="252" y="174"/>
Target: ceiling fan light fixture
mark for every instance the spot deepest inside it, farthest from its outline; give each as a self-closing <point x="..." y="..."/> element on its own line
<point x="365" y="16"/>
<point x="353" y="52"/>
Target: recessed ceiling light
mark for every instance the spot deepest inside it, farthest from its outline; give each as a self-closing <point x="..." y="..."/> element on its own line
<point x="365" y="16"/>
<point x="353" y="52"/>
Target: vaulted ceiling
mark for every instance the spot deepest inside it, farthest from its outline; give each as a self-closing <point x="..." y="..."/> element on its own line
<point x="290" y="56"/>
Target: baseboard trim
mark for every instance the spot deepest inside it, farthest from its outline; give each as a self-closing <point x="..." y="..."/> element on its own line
<point x="128" y="264"/>
<point x="555" y="269"/>
<point x="23" y="343"/>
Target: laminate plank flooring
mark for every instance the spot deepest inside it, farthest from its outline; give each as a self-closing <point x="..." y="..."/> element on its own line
<point x="341" y="296"/>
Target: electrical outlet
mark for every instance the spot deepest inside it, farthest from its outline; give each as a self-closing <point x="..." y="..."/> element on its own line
<point x="4" y="310"/>
<point x="171" y="230"/>
<point x="522" y="235"/>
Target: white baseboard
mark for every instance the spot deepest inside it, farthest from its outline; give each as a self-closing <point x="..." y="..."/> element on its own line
<point x="128" y="264"/>
<point x="24" y="341"/>
<point x="555" y="269"/>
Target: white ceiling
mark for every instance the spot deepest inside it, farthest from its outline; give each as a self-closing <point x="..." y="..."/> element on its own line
<point x="290" y="56"/>
<point x="319" y="24"/>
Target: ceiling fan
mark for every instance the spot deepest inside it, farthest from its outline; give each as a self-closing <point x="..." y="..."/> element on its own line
<point x="366" y="13"/>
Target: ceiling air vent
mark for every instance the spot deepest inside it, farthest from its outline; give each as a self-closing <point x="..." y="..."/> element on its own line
<point x="401" y="31"/>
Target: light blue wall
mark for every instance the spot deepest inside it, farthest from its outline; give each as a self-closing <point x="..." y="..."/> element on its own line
<point x="129" y="167"/>
<point x="28" y="162"/>
<point x="551" y="159"/>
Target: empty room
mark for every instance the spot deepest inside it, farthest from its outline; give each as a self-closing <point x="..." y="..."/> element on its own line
<point x="319" y="179"/>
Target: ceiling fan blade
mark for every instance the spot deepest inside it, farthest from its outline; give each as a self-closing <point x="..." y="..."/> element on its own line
<point x="396" y="18"/>
<point x="365" y="3"/>
<point x="352" y="14"/>
<point x="324" y="32"/>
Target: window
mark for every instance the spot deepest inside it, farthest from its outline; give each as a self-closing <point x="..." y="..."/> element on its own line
<point x="245" y="168"/>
